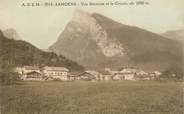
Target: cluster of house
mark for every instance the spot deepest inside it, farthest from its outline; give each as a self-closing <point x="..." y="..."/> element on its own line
<point x="46" y="73"/>
<point x="62" y="73"/>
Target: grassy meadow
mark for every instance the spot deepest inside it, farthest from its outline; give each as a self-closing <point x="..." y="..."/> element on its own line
<point x="118" y="97"/>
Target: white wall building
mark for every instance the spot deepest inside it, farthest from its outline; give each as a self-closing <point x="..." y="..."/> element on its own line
<point x="125" y="74"/>
<point x="56" y="72"/>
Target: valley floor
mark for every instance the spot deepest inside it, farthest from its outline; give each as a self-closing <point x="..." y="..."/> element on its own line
<point x="118" y="97"/>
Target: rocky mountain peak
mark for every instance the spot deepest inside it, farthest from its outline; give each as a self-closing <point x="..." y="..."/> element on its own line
<point x="11" y="34"/>
<point x="96" y="41"/>
<point x="108" y="46"/>
<point x="82" y="17"/>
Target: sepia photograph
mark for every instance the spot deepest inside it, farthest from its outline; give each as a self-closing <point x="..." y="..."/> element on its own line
<point x="91" y="57"/>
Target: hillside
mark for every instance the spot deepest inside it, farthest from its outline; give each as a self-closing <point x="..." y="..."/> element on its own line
<point x="97" y="42"/>
<point x="21" y="53"/>
<point x="175" y="34"/>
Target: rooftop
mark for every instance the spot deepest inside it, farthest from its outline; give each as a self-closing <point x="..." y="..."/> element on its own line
<point x="56" y="68"/>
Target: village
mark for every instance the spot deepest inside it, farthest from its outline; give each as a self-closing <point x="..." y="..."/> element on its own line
<point x="34" y="73"/>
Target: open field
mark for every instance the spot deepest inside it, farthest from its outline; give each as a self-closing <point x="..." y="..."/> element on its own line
<point x="121" y="97"/>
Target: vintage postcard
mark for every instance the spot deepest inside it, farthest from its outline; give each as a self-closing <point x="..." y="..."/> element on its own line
<point x="91" y="56"/>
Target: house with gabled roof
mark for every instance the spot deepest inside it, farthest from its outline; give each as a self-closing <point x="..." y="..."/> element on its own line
<point x="87" y="76"/>
<point x="29" y="72"/>
<point x="27" y="69"/>
<point x="141" y="75"/>
<point x="125" y="74"/>
<point x="97" y="75"/>
<point x="106" y="75"/>
<point x="32" y="76"/>
<point x="72" y="76"/>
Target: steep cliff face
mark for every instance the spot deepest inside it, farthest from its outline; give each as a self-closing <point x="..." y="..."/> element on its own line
<point x="96" y="41"/>
<point x="86" y="25"/>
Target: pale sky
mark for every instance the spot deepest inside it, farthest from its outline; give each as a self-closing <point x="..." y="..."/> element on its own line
<point x="42" y="25"/>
